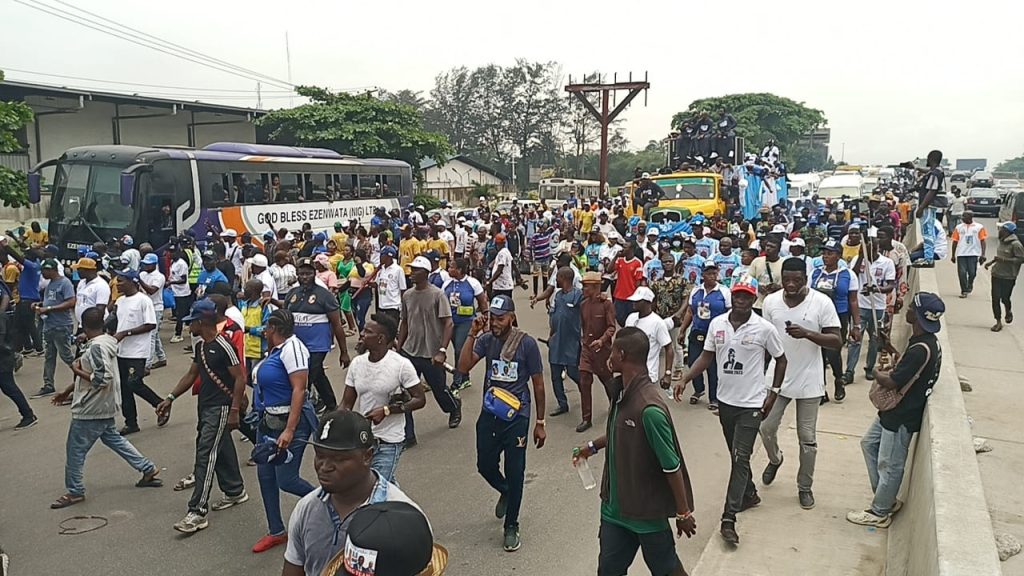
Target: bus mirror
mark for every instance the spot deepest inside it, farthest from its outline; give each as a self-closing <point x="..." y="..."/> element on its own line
<point x="127" y="188"/>
<point x="34" y="185"/>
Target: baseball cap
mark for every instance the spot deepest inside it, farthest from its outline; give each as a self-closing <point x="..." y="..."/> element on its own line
<point x="1009" y="227"/>
<point x="832" y="246"/>
<point x="84" y="264"/>
<point x="338" y="225"/>
<point x="150" y="259"/>
<point x="653" y="231"/>
<point x="259" y="260"/>
<point x="422" y="263"/>
<point x="228" y="233"/>
<point x="203" y="309"/>
<point x="441" y="224"/>
<point x="710" y="265"/>
<point x="745" y="283"/>
<point x="389" y="251"/>
<point x="268" y="235"/>
<point x="501" y="305"/>
<point x="267" y="452"/>
<point x="432" y="255"/>
<point x="642" y="293"/>
<point x="645" y="175"/>
<point x="128" y="273"/>
<point x="51" y="249"/>
<point x="49" y="264"/>
<point x="929" y="308"/>
<point x="343" y="430"/>
<point x="392" y="537"/>
<point x="798" y="242"/>
<point x="499" y="237"/>
<point x="209" y="254"/>
<point x="778" y="229"/>
<point x="307" y="262"/>
<point x="127" y="240"/>
<point x="592" y="278"/>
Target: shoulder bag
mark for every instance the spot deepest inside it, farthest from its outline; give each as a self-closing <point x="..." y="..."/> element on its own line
<point x="885" y="399"/>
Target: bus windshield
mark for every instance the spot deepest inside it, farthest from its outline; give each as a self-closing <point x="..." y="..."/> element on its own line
<point x="91" y="192"/>
<point x="691" y="188"/>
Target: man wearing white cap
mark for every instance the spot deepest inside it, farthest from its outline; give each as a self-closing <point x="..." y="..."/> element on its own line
<point x="232" y="251"/>
<point x="650" y="246"/>
<point x="461" y="238"/>
<point x="258" y="267"/>
<point x="656" y="329"/>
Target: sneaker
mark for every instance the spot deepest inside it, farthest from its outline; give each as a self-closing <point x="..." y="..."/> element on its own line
<point x="19" y="361"/>
<point x="43" y="392"/>
<point x="583" y="426"/>
<point x="501" y="507"/>
<point x="229" y="501"/>
<point x="455" y="418"/>
<point x="868" y="518"/>
<point x="27" y="422"/>
<point x="768" y="476"/>
<point x="512" y="542"/>
<point x="191" y="523"/>
<point x="751" y="502"/>
<point x="806" y="499"/>
<point x="126" y="430"/>
<point x="921" y="263"/>
<point x="896" y="506"/>
<point x="840" y="394"/>
<point x="159" y="364"/>
<point x="268" y="542"/>
<point x="728" y="532"/>
<point x="824" y="400"/>
<point x="176" y="339"/>
<point x="559" y="411"/>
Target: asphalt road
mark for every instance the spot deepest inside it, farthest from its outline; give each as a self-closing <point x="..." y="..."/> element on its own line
<point x="559" y="518"/>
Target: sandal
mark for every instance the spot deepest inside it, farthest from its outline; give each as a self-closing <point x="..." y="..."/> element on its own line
<point x="149" y="480"/>
<point x="713" y="407"/>
<point x="66" y="500"/>
<point x="695" y="398"/>
<point x="185" y="483"/>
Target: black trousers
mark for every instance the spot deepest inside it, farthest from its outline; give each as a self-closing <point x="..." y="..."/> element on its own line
<point x="322" y="384"/>
<point x="132" y="372"/>
<point x="1002" y="289"/>
<point x="437" y="380"/>
<point x="26" y="328"/>
<point x="834" y="358"/>
<point x="215" y="456"/>
<point x="182" y="306"/>
<point x="740" y="427"/>
<point x="618" y="550"/>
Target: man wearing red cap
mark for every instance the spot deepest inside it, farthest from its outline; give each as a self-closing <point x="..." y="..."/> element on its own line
<point x="501" y="271"/>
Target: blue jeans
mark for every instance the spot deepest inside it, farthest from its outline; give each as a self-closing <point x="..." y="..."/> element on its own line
<point x="870" y="321"/>
<point x="10" y="389"/>
<point x="460" y="332"/>
<point x="82" y="434"/>
<point x="928" y="233"/>
<point x="58" y="342"/>
<point x="694" y="347"/>
<point x="495" y="437"/>
<point x="885" y="453"/>
<point x="285" y="477"/>
<point x="385" y="459"/>
<point x="558" y="384"/>
<point x="361" y="305"/>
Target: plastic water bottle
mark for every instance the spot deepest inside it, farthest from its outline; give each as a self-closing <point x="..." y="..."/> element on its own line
<point x="586" y="475"/>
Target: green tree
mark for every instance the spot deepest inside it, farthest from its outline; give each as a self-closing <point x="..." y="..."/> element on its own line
<point x="360" y="125"/>
<point x="760" y="117"/>
<point x="13" y="117"/>
<point x="1011" y="165"/>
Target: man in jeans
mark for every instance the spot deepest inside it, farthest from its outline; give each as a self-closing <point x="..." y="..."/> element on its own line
<point x="877" y="280"/>
<point x="424" y="332"/>
<point x="807" y="322"/>
<point x="56" y="313"/>
<point x="968" y="250"/>
<point x="221" y="386"/>
<point x="738" y="342"/>
<point x="94" y="403"/>
<point x="931" y="197"/>
<point x="887" y="441"/>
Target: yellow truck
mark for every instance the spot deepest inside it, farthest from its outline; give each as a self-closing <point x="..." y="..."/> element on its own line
<point x="694" y="191"/>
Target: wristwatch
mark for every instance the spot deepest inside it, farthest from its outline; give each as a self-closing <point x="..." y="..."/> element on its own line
<point x="387" y="411"/>
<point x="540" y="423"/>
<point x="443" y="351"/>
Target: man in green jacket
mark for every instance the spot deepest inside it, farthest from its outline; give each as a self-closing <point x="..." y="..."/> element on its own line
<point x="1005" y="267"/>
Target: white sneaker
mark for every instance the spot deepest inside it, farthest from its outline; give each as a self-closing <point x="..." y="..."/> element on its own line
<point x="191" y="523"/>
<point x="176" y="339"/>
<point x="229" y="501"/>
<point x="868" y="518"/>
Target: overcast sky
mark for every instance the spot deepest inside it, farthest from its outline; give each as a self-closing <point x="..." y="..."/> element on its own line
<point x="895" y="78"/>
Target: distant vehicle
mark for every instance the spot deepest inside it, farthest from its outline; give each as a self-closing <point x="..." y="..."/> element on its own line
<point x="558" y="190"/>
<point x="839" y="185"/>
<point x="506" y="205"/>
<point x="981" y="180"/>
<point x="984" y="201"/>
<point x="1012" y="210"/>
<point x="959" y="176"/>
<point x="695" y="191"/>
<point x="1006" y="183"/>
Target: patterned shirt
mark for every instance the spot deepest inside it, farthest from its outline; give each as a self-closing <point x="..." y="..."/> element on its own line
<point x="669" y="295"/>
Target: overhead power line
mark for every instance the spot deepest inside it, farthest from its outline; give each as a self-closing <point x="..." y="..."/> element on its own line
<point x="117" y="82"/>
<point x="157" y="44"/>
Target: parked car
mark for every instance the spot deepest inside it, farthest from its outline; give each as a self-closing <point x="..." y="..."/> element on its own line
<point x="984" y="201"/>
<point x="1012" y="210"/>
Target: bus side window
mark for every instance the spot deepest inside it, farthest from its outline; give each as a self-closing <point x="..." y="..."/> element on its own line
<point x="290" y="188"/>
<point x="344" y="185"/>
<point x="392" y="186"/>
<point x="367" y="186"/>
<point x="220" y="192"/>
<point x="317" y="186"/>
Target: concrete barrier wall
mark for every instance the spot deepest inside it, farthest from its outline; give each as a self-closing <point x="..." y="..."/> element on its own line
<point x="944" y="528"/>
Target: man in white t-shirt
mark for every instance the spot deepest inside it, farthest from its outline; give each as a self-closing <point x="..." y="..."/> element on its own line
<point x="92" y="292"/>
<point x="371" y="382"/>
<point x="258" y="266"/>
<point x="135" y="319"/>
<point x="738" y="342"/>
<point x="807" y="322"/>
<point x="390" y="282"/>
<point x="968" y="250"/>
<point x="877" y="279"/>
<point x="152" y="282"/>
<point x="181" y="291"/>
<point x="657" y="330"/>
<point x="501" y="271"/>
<point x="461" y="237"/>
<point x="232" y="250"/>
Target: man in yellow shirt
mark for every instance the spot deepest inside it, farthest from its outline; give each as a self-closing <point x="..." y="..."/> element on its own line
<point x="852" y="243"/>
<point x="586" y="221"/>
<point x="409" y="247"/>
<point x="339" y="236"/>
<point x="11" y="274"/>
<point x="441" y="246"/>
<point x="36" y="236"/>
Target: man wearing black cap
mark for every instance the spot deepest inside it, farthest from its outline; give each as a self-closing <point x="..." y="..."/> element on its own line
<point x="389" y="539"/>
<point x="136" y="317"/>
<point x="319" y="525"/>
<point x="513" y="365"/>
<point x="221" y="387"/>
<point x="887" y="441"/>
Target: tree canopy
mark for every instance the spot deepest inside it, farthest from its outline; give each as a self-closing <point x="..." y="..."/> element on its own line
<point x="13" y="184"/>
<point x="1011" y="165"/>
<point x="361" y="125"/>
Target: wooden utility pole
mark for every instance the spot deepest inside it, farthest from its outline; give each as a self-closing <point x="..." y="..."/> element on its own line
<point x="603" y="116"/>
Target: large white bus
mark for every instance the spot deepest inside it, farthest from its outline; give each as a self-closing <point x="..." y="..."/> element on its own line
<point x="555" y="190"/>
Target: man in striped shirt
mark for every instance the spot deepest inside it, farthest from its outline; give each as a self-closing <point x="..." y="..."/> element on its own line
<point x="540" y="250"/>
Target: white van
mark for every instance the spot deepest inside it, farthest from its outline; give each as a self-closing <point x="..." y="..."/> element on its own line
<point x="840" y="185"/>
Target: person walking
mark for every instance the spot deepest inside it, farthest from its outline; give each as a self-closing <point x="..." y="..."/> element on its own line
<point x="657" y="329"/>
<point x="767" y="269"/>
<point x="740" y="340"/>
<point x="807" y="323"/>
<point x="135" y="319"/>
<point x="887" y="440"/>
<point x="513" y="366"/>
<point x="370" y="389"/>
<point x="286" y="420"/>
<point x="968" y="250"/>
<point x="627" y="269"/>
<point x="670" y="296"/>
<point x="877" y="279"/>
<point x="501" y="281"/>
<point x="221" y="387"/>
<point x="94" y="403"/>
<point x="564" y="325"/>
<point x="467" y="298"/>
<point x="92" y="290"/>
<point x="9" y="361"/>
<point x="706" y="302"/>
<point x="56" y="312"/>
<point x="597" y="323"/>
<point x="645" y="481"/>
<point x="1005" y="268"/>
<point x="424" y="333"/>
<point x="841" y="285"/>
<point x="152" y="282"/>
<point x="27" y="339"/>
<point x="390" y="284"/>
<point x="183" y="296"/>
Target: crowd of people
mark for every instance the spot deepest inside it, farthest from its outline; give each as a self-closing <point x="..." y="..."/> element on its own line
<point x="754" y="311"/>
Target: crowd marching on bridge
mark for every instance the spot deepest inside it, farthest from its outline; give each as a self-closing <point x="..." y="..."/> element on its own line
<point x="754" y="307"/>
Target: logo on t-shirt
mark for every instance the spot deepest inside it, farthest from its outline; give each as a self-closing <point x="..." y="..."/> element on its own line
<point x="503" y="371"/>
<point x="731" y="366"/>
